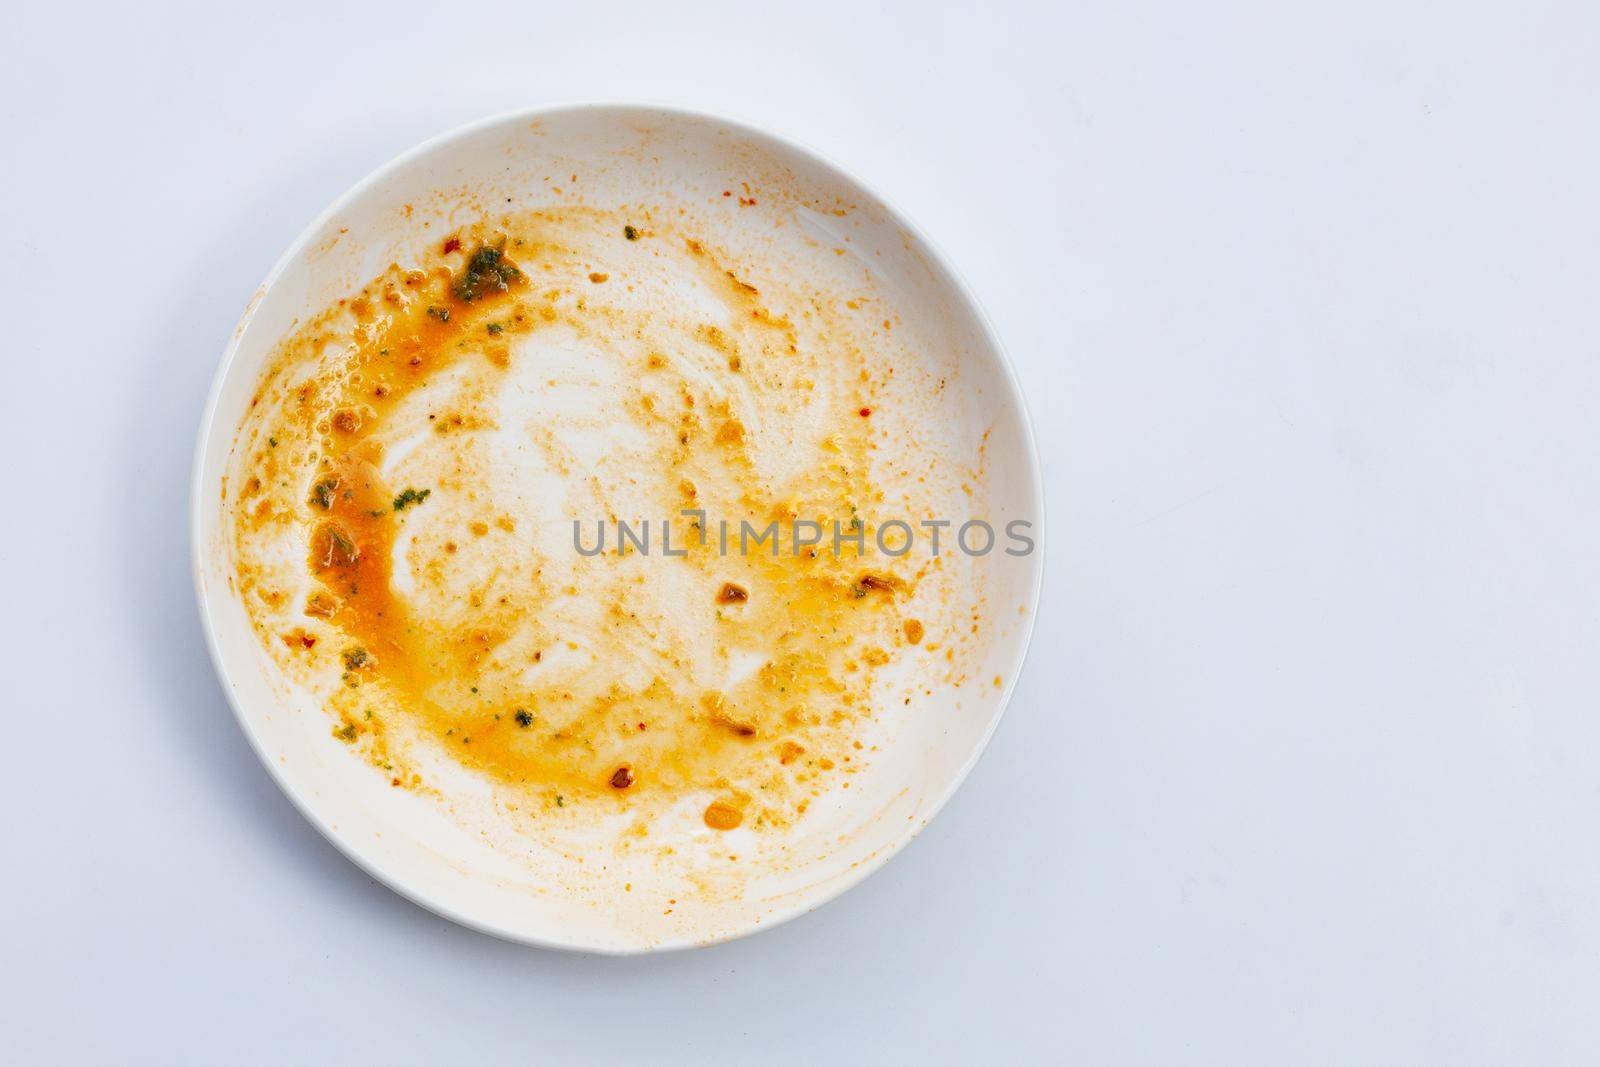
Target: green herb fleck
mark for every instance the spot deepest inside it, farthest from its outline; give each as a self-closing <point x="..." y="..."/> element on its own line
<point x="356" y="658"/>
<point x="561" y="801"/>
<point x="487" y="271"/>
<point x="524" y="719"/>
<point x="630" y="233"/>
<point x="322" y="493"/>
<point x="409" y="497"/>
<point x="272" y="442"/>
<point x="343" y="550"/>
<point x="440" y="313"/>
<point x="346" y="733"/>
<point x="495" y="329"/>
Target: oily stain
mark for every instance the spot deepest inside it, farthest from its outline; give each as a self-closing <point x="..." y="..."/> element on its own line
<point x="778" y="734"/>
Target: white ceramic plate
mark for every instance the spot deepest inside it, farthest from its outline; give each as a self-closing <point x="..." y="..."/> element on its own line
<point x="429" y="848"/>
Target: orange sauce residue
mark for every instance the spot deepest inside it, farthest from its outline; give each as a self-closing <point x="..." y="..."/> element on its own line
<point x="720" y="815"/>
<point x="470" y="668"/>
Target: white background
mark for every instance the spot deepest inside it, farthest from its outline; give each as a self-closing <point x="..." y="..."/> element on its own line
<point x="1305" y="766"/>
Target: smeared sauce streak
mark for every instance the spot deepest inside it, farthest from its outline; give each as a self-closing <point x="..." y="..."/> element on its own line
<point x="352" y="547"/>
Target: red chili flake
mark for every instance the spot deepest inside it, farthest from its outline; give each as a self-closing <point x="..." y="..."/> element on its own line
<point x="865" y="412"/>
<point x="451" y="244"/>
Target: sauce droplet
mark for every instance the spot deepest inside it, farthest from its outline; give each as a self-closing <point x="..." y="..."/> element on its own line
<point x="721" y="815"/>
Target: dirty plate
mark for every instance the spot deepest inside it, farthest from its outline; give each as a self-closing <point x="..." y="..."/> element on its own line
<point x="543" y="336"/>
